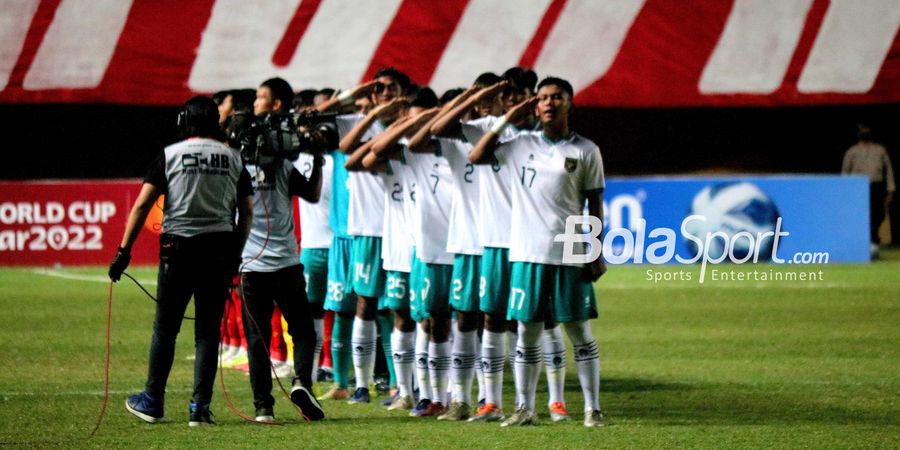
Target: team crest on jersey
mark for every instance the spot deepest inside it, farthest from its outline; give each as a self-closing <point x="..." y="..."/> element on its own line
<point x="571" y="164"/>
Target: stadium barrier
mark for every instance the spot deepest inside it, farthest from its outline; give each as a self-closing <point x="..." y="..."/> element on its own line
<point x="823" y="219"/>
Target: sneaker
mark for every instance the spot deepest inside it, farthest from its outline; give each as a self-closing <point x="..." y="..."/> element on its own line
<point x="282" y="370"/>
<point x="558" y="412"/>
<point x="335" y="393"/>
<point x="145" y="407"/>
<point x="200" y="415"/>
<point x="308" y="405"/>
<point x="488" y="413"/>
<point x="434" y="409"/>
<point x="521" y="417"/>
<point x="360" y="396"/>
<point x="594" y="418"/>
<point x="265" y="415"/>
<point x="458" y="411"/>
<point x="402" y="402"/>
<point x="420" y="407"/>
<point x="325" y="375"/>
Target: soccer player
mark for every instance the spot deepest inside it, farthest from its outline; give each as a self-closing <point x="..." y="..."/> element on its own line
<point x="204" y="182"/>
<point x="366" y="222"/>
<point x="554" y="172"/>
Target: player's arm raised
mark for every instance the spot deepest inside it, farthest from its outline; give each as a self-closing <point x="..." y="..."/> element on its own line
<point x="418" y="129"/>
<point x="351" y="140"/>
<point x="354" y="162"/>
<point x="485" y="148"/>
<point x="346" y="97"/>
<point x="447" y="123"/>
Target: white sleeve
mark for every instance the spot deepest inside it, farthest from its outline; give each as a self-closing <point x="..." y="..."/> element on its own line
<point x="593" y="177"/>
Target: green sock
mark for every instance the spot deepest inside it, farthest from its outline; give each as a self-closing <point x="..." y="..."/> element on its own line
<point x="341" y="350"/>
<point x="385" y="328"/>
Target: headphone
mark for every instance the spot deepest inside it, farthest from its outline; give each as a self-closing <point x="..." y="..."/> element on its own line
<point x="183" y="122"/>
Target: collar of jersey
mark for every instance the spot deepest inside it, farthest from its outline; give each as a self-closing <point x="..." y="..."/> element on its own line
<point x="568" y="138"/>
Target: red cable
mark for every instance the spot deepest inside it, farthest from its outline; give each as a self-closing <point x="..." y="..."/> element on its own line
<point x="106" y="381"/>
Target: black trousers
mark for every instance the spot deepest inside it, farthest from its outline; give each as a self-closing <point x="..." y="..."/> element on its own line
<point x="198" y="267"/>
<point x="261" y="291"/>
<point x="877" y="193"/>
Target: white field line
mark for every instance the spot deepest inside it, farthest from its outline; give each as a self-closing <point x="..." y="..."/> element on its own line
<point x="77" y="277"/>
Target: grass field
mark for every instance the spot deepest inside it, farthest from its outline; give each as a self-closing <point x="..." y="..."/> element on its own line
<point x="734" y="364"/>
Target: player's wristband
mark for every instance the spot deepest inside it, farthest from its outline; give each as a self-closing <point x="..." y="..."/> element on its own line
<point x="500" y="126"/>
<point x="345" y="97"/>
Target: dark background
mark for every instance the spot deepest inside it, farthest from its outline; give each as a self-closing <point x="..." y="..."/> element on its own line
<point x="112" y="141"/>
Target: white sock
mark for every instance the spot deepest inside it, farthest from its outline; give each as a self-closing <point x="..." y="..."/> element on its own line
<point x="403" y="347"/>
<point x="479" y="375"/>
<point x="363" y="342"/>
<point x="555" y="362"/>
<point x="319" y="325"/>
<point x="528" y="363"/>
<point x="493" y="354"/>
<point x="463" y="365"/>
<point x="587" y="361"/>
<point x="512" y="340"/>
<point x="422" y="378"/>
<point x="438" y="369"/>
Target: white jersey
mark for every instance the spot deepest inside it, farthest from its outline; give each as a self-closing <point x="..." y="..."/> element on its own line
<point x="463" y="233"/>
<point x="433" y="197"/>
<point x="366" y="215"/>
<point x="314" y="229"/>
<point x="548" y="185"/>
<point x="396" y="247"/>
<point x="494" y="198"/>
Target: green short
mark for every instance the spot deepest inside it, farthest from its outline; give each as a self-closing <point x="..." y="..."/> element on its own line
<point x="315" y="270"/>
<point x="339" y="298"/>
<point x="541" y="291"/>
<point x="429" y="289"/>
<point x="396" y="291"/>
<point x="493" y="285"/>
<point x="465" y="281"/>
<point x="365" y="268"/>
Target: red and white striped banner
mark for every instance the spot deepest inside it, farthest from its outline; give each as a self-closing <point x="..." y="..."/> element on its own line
<point x="631" y="53"/>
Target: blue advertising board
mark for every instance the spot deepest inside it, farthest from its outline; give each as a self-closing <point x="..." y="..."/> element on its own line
<point x="816" y="219"/>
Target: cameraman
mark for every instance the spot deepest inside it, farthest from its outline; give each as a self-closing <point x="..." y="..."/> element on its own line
<point x="271" y="272"/>
<point x="204" y="182"/>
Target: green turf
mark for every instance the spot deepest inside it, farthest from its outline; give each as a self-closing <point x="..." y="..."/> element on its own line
<point x="735" y="364"/>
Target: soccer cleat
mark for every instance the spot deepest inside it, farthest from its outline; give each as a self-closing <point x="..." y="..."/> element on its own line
<point x="521" y="417"/>
<point x="265" y="415"/>
<point x="594" y="418"/>
<point x="239" y="358"/>
<point x="458" y="411"/>
<point x="434" y="409"/>
<point x="488" y="413"/>
<point x="390" y="400"/>
<point x="382" y="385"/>
<point x="282" y="370"/>
<point x="335" y="393"/>
<point x="360" y="396"/>
<point x="304" y="400"/>
<point x="558" y="412"/>
<point x="402" y="402"/>
<point x="200" y="415"/>
<point x="481" y="403"/>
<point x="325" y="375"/>
<point x="145" y="407"/>
<point x="420" y="407"/>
